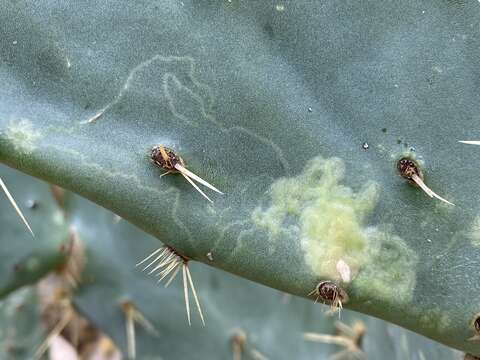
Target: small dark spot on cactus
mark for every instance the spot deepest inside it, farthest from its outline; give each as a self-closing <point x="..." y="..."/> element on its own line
<point x="269" y="30"/>
<point x="165" y="158"/>
<point x="12" y="349"/>
<point x="32" y="204"/>
<point x="399" y="141"/>
<point x="384" y="130"/>
<point x="407" y="168"/>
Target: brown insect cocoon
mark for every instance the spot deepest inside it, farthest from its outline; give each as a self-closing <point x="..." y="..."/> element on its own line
<point x="410" y="170"/>
<point x="330" y="293"/>
<point x="349" y="337"/>
<point x="172" y="163"/>
<point x="132" y="316"/>
<point x="167" y="261"/>
<point x="344" y="271"/>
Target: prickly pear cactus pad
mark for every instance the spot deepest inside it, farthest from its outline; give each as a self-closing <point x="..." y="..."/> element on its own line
<point x="299" y="111"/>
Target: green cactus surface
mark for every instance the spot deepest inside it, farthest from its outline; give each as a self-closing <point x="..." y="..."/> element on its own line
<point x="21" y="331"/>
<point x="274" y="323"/>
<point x="23" y="259"/>
<point x="297" y="110"/>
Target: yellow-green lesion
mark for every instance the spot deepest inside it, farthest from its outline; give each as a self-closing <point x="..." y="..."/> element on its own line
<point x="389" y="271"/>
<point x="435" y="320"/>
<point x="22" y="135"/>
<point x="330" y="220"/>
